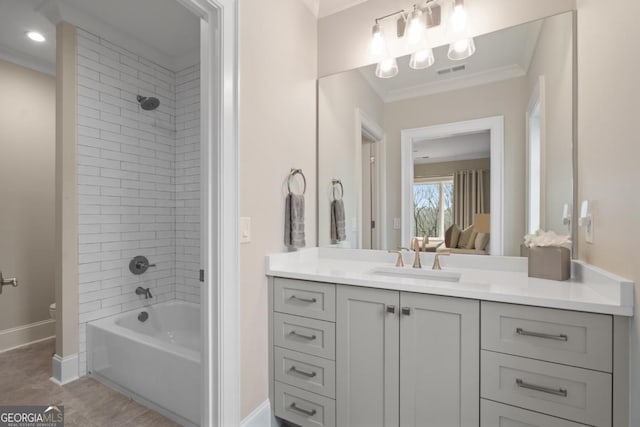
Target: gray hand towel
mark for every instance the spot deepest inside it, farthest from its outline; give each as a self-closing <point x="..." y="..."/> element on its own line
<point x="294" y="221"/>
<point x="338" y="233"/>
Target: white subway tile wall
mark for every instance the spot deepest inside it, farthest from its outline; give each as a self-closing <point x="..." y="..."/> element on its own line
<point x="138" y="181"/>
<point x="188" y="184"/>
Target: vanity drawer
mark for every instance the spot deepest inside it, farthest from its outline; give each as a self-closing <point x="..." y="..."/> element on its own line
<point x="303" y="408"/>
<point x="576" y="394"/>
<point x="568" y="337"/>
<point x="310" y="336"/>
<point x="309" y="299"/>
<point x="307" y="372"/>
<point x="493" y="414"/>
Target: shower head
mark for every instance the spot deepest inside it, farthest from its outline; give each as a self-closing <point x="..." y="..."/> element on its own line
<point x="148" y="103"/>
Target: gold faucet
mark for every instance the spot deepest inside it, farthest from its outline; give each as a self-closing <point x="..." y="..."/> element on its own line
<point x="416" y="247"/>
<point x="436" y="260"/>
<point x="399" y="261"/>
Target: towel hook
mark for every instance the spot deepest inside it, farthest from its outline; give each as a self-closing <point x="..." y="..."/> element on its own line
<point x="292" y="174"/>
<point x="334" y="183"/>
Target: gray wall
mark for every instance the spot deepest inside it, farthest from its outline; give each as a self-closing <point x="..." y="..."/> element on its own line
<point x="338" y="98"/>
<point x="27" y="154"/>
<point x="553" y="59"/>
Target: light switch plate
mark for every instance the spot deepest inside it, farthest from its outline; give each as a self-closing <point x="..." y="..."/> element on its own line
<point x="245" y="230"/>
<point x="396" y="223"/>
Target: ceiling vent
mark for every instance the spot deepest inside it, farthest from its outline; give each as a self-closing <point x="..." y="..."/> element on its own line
<point x="457" y="68"/>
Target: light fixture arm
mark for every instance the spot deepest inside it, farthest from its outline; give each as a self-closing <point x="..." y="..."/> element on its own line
<point x="399" y="12"/>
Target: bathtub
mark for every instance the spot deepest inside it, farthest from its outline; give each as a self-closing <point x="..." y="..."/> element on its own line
<point x="156" y="362"/>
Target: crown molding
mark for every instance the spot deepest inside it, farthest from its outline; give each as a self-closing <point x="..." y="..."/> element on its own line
<point x="477" y="79"/>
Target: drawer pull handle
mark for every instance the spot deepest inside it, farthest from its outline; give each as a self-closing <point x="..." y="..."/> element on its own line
<point x="308" y="300"/>
<point x="305" y="373"/>
<point x="561" y="337"/>
<point x="391" y="309"/>
<point x="306" y="337"/>
<point x="307" y="412"/>
<point x="556" y="392"/>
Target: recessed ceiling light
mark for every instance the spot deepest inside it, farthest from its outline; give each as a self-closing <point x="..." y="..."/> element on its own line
<point x="36" y="36"/>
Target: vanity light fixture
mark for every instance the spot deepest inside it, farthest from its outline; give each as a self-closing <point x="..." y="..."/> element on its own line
<point x="387" y="68"/>
<point x="387" y="65"/>
<point x="463" y="45"/>
<point x="378" y="44"/>
<point x="422" y="56"/>
<point x="414" y="26"/>
<point x="36" y="36"/>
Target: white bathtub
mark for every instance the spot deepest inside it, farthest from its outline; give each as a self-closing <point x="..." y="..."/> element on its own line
<point x="157" y="362"/>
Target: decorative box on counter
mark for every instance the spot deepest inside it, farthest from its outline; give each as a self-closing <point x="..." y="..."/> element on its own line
<point x="549" y="255"/>
<point x="550" y="262"/>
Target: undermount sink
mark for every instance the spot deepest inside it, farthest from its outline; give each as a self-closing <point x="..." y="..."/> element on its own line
<point x="417" y="273"/>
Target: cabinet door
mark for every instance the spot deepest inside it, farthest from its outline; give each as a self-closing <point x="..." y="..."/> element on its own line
<point x="439" y="361"/>
<point x="367" y="357"/>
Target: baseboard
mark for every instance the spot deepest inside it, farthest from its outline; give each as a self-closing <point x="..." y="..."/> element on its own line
<point x="26" y="334"/>
<point x="260" y="417"/>
<point x="65" y="369"/>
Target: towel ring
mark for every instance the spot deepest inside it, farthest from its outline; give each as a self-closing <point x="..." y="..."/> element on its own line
<point x="334" y="183"/>
<point x="292" y="174"/>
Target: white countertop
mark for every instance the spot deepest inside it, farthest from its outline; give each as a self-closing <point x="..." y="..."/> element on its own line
<point x="490" y="278"/>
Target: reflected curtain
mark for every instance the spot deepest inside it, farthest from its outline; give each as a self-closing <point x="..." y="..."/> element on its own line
<point x="468" y="196"/>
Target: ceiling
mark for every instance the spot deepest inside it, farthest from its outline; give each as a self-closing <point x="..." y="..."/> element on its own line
<point x="169" y="36"/>
<point x="499" y="55"/>
<point x="16" y="18"/>
<point x="457" y="147"/>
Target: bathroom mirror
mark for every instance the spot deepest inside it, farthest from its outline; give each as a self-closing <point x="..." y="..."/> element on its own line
<point x="491" y="135"/>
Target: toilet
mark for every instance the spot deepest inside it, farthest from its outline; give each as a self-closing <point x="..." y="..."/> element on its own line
<point x="52" y="311"/>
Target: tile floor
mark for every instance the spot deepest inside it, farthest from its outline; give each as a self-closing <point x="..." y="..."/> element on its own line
<point x="24" y="380"/>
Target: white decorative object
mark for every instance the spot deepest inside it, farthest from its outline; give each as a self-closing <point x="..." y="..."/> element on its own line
<point x="547" y="238"/>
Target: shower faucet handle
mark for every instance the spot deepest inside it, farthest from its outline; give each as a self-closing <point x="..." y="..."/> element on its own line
<point x="142" y="264"/>
<point x="139" y="264"/>
<point x="6" y="282"/>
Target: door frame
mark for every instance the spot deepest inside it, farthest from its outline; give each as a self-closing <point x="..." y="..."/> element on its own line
<point x="365" y="124"/>
<point x="495" y="125"/>
<point x="220" y="308"/>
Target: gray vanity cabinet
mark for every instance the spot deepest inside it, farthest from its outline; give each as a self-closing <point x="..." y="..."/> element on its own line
<point x="406" y="359"/>
<point x="367" y="357"/>
<point x="439" y="361"/>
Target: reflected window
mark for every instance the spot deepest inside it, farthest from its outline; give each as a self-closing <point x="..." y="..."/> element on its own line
<point x="433" y="206"/>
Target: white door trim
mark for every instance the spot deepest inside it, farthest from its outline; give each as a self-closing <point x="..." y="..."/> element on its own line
<point x="220" y="307"/>
<point x="364" y="124"/>
<point x="495" y="125"/>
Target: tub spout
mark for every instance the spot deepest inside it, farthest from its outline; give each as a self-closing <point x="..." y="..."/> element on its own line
<point x="144" y="291"/>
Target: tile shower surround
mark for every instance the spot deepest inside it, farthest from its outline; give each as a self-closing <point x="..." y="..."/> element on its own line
<point x="138" y="181"/>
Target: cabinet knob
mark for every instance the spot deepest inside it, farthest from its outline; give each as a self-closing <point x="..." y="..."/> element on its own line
<point x="391" y="309"/>
<point x="406" y="311"/>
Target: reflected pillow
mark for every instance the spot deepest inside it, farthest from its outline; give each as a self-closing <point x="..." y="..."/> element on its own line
<point x="451" y="236"/>
<point x="465" y="235"/>
<point x="482" y="240"/>
<point x="471" y="243"/>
